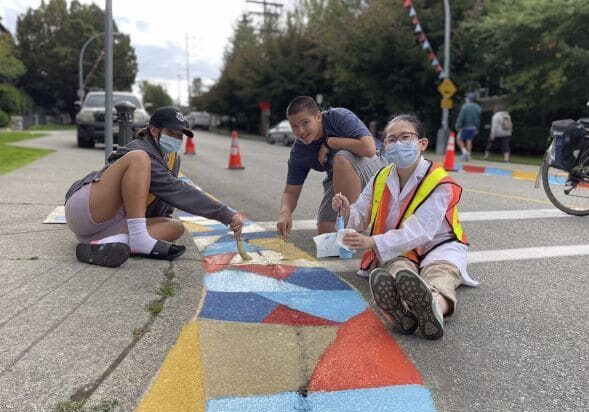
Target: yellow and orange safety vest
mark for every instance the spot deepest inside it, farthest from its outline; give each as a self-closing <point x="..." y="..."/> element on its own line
<point x="381" y="196"/>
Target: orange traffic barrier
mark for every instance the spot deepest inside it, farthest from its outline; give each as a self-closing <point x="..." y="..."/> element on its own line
<point x="450" y="148"/>
<point x="234" y="155"/>
<point x="190" y="147"/>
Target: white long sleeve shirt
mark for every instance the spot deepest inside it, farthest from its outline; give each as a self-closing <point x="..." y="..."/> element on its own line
<point x="426" y="228"/>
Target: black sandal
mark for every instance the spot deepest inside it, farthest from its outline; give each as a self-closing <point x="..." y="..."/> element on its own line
<point x="163" y="251"/>
<point x="111" y="255"/>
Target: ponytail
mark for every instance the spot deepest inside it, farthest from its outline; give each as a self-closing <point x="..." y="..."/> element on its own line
<point x="141" y="133"/>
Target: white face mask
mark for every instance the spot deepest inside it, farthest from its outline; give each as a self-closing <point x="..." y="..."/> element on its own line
<point x="402" y="154"/>
<point x="170" y="144"/>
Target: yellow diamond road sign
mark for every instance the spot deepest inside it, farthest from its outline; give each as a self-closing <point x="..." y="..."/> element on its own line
<point x="447" y="88"/>
<point x="446" y="103"/>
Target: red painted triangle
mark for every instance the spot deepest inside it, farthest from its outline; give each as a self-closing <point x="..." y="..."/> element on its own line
<point x="286" y="316"/>
<point x="415" y="21"/>
<point x="214" y="263"/>
<point x="363" y="355"/>
<point x="422" y="38"/>
<point x="407" y="4"/>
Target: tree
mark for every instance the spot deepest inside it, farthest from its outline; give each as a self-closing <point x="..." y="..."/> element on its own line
<point x="11" y="68"/>
<point x="155" y="94"/>
<point x="226" y="96"/>
<point x="197" y="86"/>
<point x="537" y="51"/>
<point x="12" y="100"/>
<point x="50" y="39"/>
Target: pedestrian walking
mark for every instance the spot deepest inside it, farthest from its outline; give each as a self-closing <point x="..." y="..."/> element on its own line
<point x="501" y="131"/>
<point x="125" y="209"/>
<point x="416" y="242"/>
<point x="467" y="125"/>
<point x="334" y="141"/>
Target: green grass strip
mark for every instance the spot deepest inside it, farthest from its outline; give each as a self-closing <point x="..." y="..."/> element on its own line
<point x="14" y="157"/>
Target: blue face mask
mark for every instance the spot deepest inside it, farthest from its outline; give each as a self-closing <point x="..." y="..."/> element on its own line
<point x="170" y="144"/>
<point x="401" y="154"/>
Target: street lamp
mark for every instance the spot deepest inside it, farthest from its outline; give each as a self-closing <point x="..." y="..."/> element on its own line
<point x="81" y="60"/>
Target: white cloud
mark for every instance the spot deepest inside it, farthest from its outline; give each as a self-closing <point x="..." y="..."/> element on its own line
<point x="160" y="32"/>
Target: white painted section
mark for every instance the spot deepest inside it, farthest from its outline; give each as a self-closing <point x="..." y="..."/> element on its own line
<point x="309" y="224"/>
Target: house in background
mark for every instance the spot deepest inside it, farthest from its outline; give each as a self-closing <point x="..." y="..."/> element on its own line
<point x="3" y="29"/>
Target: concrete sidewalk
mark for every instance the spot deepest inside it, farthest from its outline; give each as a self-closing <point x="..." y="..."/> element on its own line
<point x="71" y="331"/>
<point x="74" y="332"/>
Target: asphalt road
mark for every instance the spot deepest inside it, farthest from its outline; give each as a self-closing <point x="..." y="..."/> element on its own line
<point x="517" y="343"/>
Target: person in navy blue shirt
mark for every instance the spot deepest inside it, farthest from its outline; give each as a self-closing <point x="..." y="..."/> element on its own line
<point x="334" y="141"/>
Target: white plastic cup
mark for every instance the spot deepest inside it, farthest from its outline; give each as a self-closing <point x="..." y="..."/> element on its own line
<point x="339" y="239"/>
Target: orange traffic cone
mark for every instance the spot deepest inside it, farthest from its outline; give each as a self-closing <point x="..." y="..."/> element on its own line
<point x="234" y="155"/>
<point x="449" y="158"/>
<point x="190" y="148"/>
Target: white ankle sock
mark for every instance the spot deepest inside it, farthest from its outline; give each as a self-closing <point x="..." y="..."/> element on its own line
<point x="120" y="238"/>
<point x="139" y="239"/>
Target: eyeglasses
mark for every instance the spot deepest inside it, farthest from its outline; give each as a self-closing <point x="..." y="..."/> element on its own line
<point x="403" y="137"/>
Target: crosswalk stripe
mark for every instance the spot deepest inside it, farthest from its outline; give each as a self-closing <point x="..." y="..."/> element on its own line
<point x="482" y="256"/>
<point x="311" y="224"/>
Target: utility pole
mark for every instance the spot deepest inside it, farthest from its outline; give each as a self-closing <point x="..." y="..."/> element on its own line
<point x="179" y="84"/>
<point x="108" y="139"/>
<point x="447" y="89"/>
<point x="270" y="14"/>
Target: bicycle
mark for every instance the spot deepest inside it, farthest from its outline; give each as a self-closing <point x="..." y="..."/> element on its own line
<point x="565" y="169"/>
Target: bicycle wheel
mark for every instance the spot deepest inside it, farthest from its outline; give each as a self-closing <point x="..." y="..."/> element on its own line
<point x="570" y="197"/>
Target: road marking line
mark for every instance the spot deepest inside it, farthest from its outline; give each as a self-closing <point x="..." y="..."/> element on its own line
<point x="527" y="199"/>
<point x="484" y="256"/>
<point x="511" y="215"/>
<point x="481" y="256"/>
<point x="179" y="384"/>
<point x="311" y="224"/>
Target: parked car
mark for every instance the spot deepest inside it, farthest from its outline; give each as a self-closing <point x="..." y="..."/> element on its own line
<point x="90" y="118"/>
<point x="199" y="120"/>
<point x="281" y="132"/>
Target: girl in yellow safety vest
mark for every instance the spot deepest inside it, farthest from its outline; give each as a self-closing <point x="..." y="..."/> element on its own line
<point x="416" y="245"/>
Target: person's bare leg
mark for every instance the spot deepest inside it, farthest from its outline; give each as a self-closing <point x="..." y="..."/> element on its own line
<point x="345" y="179"/>
<point x="163" y="228"/>
<point x="469" y="147"/>
<point x="124" y="183"/>
<point x="460" y="143"/>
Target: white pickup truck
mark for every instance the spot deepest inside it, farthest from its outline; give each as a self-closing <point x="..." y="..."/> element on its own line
<point x="199" y="120"/>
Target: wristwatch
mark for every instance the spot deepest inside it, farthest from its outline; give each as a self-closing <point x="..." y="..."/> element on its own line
<point x="327" y="144"/>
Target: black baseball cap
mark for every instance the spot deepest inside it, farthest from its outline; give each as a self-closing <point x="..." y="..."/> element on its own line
<point x="170" y="118"/>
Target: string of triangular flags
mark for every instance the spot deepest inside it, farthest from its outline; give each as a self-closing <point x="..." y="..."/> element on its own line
<point x="425" y="44"/>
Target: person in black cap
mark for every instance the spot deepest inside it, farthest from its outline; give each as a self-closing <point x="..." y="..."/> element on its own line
<point x="125" y="209"/>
